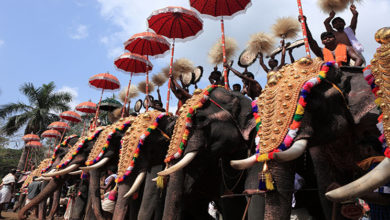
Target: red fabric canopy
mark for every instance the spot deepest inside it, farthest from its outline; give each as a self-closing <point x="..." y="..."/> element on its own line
<point x="70" y="116"/>
<point x="147" y="43"/>
<point x="58" y="125"/>
<point x="31" y="137"/>
<point x="175" y="22"/>
<point x="33" y="144"/>
<point x="104" y="81"/>
<point x="51" y="134"/>
<point x="133" y="63"/>
<point x="218" y="8"/>
<point x="86" y="107"/>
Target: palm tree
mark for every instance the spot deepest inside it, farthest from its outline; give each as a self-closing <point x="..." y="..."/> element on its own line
<point x="37" y="114"/>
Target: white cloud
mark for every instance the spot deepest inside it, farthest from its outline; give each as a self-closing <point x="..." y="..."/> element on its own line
<point x="74" y="92"/>
<point x="1" y="43"/>
<point x="80" y="32"/>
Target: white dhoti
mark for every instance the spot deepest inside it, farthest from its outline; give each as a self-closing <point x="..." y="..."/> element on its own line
<point x="5" y="194"/>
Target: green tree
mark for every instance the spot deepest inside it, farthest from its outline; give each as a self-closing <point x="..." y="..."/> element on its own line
<point x="40" y="111"/>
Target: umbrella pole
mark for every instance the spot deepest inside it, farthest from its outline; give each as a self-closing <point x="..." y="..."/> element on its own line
<point x="97" y="110"/>
<point x="303" y="29"/>
<point x="82" y="133"/>
<point x="25" y="162"/>
<point x="147" y="86"/>
<point x="127" y="94"/>
<point x="170" y="75"/>
<point x="224" y="54"/>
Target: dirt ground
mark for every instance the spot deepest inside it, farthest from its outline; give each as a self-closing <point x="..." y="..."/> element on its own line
<point x="14" y="216"/>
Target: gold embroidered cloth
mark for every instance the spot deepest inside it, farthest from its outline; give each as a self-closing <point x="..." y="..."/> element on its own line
<point x="278" y="101"/>
<point x="37" y="172"/>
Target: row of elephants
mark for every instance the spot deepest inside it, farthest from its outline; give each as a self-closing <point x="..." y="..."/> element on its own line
<point x="337" y="130"/>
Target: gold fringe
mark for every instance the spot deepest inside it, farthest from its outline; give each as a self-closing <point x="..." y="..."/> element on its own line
<point x="160" y="182"/>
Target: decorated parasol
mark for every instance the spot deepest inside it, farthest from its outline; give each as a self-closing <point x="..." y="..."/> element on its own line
<point x="147" y="44"/>
<point x="30" y="137"/>
<point x="88" y="108"/>
<point x="109" y="104"/>
<point x="31" y="145"/>
<point x="70" y="116"/>
<point x="51" y="134"/>
<point x="59" y="126"/>
<point x="174" y="23"/>
<point x="132" y="63"/>
<point x="103" y="81"/>
<point x="220" y="8"/>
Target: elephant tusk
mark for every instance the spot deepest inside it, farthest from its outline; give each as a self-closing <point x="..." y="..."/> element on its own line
<point x="377" y="177"/>
<point x="74" y="173"/>
<point x="179" y="165"/>
<point x="137" y="183"/>
<point x="97" y="165"/>
<point x="61" y="172"/>
<point x="41" y="178"/>
<point x="243" y="164"/>
<point x="295" y="151"/>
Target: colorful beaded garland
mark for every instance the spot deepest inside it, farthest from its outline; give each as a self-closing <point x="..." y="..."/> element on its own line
<point x="368" y="76"/>
<point x="296" y="121"/>
<point x="107" y="144"/>
<point x="53" y="158"/>
<point x="191" y="112"/>
<point x="140" y="143"/>
<point x="81" y="145"/>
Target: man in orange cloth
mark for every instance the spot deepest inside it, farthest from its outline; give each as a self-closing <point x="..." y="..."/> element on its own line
<point x="333" y="51"/>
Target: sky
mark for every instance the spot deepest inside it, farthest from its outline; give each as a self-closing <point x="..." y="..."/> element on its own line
<point x="68" y="41"/>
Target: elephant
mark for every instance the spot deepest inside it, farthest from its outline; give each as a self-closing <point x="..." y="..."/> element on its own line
<point x="380" y="175"/>
<point x="79" y="151"/>
<point x="153" y="129"/>
<point x="222" y="123"/>
<point x="328" y="129"/>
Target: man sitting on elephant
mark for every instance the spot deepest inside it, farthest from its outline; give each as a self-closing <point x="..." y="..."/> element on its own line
<point x="333" y="51"/>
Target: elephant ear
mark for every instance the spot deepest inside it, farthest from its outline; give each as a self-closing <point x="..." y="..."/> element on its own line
<point x="242" y="111"/>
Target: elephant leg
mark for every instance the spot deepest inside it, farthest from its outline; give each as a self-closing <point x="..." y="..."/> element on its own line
<point x="42" y="210"/>
<point x="89" y="214"/>
<point x="174" y="196"/>
<point x="94" y="193"/>
<point x="153" y="198"/>
<point x="257" y="205"/>
<point x="55" y="204"/>
<point x="322" y="171"/>
<point x="278" y="201"/>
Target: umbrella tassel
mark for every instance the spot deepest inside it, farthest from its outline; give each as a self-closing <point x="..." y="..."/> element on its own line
<point x="265" y="179"/>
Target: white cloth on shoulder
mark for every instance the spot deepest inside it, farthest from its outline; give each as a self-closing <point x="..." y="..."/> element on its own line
<point x="357" y="46"/>
<point x="5" y="194"/>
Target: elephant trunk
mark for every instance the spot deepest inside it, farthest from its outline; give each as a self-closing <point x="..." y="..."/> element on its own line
<point x="94" y="193"/>
<point x="377" y="177"/>
<point x="121" y="204"/>
<point x="173" y="199"/>
<point x="55" y="203"/>
<point x="53" y="185"/>
<point x="42" y="205"/>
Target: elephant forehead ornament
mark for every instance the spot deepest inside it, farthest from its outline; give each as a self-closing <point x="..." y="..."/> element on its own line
<point x="134" y="138"/>
<point x="37" y="172"/>
<point x="278" y="101"/>
<point x="381" y="71"/>
<point x="103" y="141"/>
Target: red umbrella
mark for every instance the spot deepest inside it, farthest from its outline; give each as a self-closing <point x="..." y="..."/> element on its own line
<point x="149" y="44"/>
<point x="132" y="63"/>
<point x="86" y="107"/>
<point x="70" y="116"/>
<point x="51" y="134"/>
<point x="30" y="137"/>
<point x="34" y="144"/>
<point x="59" y="126"/>
<point x="103" y="81"/>
<point x="175" y="22"/>
<point x="220" y="8"/>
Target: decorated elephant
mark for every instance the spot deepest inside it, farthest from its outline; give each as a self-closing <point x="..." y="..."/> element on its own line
<point x="213" y="128"/>
<point x="304" y="108"/>
<point x="142" y="155"/>
<point x="47" y="165"/>
<point x="380" y="175"/>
